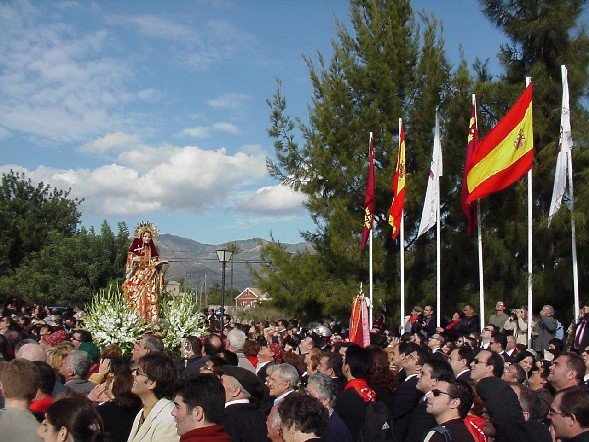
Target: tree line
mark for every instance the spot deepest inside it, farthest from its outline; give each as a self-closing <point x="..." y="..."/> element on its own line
<point x="390" y="64"/>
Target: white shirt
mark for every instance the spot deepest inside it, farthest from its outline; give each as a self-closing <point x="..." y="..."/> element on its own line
<point x="237" y="401"/>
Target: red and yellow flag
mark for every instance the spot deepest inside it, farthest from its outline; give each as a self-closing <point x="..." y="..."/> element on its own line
<point x="396" y="210"/>
<point x="473" y="138"/>
<point x="369" y="196"/>
<point x="506" y="153"/>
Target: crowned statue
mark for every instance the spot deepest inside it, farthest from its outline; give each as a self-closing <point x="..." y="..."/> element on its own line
<point x="144" y="278"/>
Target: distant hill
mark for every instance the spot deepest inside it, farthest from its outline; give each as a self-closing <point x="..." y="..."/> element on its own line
<point x="193" y="261"/>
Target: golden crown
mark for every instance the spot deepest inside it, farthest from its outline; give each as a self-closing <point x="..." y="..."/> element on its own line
<point x="146" y="226"/>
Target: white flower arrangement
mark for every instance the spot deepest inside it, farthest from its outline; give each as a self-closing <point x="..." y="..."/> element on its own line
<point x="179" y="318"/>
<point x="111" y="320"/>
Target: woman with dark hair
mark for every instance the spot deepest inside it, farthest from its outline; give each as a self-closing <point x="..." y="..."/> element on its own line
<point x="154" y="381"/>
<point x="72" y="419"/>
<point x="380" y="377"/>
<point x="119" y="411"/>
<point x="525" y="360"/>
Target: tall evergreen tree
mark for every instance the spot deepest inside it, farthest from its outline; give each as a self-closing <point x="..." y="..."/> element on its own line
<point x="384" y="70"/>
<point x="543" y="35"/>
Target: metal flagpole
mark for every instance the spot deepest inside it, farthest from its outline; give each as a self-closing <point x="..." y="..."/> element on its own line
<point x="438" y="259"/>
<point x="402" y="250"/>
<point x="479" y="239"/>
<point x="530" y="301"/>
<point x="370" y="253"/>
<point x="566" y="132"/>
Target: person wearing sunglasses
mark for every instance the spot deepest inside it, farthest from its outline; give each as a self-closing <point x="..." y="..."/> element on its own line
<point x="569" y="414"/>
<point x="154" y="381"/>
<point x="420" y="420"/>
<point x="449" y="404"/>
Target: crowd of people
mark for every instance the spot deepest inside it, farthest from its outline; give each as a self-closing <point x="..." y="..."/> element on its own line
<point x="282" y="381"/>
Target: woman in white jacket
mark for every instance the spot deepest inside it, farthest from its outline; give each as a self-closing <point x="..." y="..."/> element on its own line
<point x="154" y="382"/>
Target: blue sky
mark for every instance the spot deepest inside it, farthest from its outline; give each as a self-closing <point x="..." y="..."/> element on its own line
<point x="156" y="110"/>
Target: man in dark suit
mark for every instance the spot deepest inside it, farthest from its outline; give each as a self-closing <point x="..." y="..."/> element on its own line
<point x="407" y="395"/>
<point x="242" y="419"/>
<point x="420" y="420"/>
<point x="323" y="388"/>
<point x="351" y="403"/>
<point x="460" y="360"/>
<point x="330" y="365"/>
<point x="427" y="325"/>
<point x="498" y="344"/>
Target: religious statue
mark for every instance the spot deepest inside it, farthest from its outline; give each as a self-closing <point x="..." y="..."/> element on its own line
<point x="144" y="279"/>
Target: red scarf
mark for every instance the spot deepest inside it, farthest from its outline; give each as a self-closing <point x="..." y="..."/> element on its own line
<point x="364" y="391"/>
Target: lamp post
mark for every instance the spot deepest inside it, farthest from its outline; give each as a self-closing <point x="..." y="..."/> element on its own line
<point x="224" y="256"/>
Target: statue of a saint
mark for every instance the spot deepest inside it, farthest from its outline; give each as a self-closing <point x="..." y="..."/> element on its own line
<point x="144" y="279"/>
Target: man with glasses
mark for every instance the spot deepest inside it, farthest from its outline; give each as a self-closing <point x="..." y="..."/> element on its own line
<point x="486" y="364"/>
<point x="498" y="344"/>
<point x="569" y="415"/>
<point x="449" y="404"/>
<point x="499" y="318"/>
<point x="486" y="335"/>
<point x="154" y="379"/>
<point x="506" y="418"/>
<point x="436" y="342"/>
<point x="433" y="370"/>
<point x="566" y="371"/>
<point x="79" y="337"/>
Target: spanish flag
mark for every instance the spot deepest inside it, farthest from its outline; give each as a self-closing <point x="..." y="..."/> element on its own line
<point x="396" y="210"/>
<point x="505" y="154"/>
<point x="369" y="196"/>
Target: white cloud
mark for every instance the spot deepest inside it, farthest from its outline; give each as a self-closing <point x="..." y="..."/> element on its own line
<point x="226" y="127"/>
<point x="229" y="101"/>
<point x="277" y="200"/>
<point x="196" y="132"/>
<point x="157" y="27"/>
<point x="207" y="131"/>
<point x="186" y="179"/>
<point x="118" y="140"/>
<point x="57" y="82"/>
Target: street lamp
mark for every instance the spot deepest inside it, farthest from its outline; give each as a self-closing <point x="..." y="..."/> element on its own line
<point x="224" y="256"/>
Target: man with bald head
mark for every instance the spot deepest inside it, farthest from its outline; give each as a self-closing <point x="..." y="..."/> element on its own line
<point x="32" y="352"/>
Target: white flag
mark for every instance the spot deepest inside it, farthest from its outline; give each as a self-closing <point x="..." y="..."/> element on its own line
<point x="430" y="206"/>
<point x="564" y="163"/>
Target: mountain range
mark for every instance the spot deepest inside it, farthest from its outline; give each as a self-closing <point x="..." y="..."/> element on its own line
<point x="198" y="264"/>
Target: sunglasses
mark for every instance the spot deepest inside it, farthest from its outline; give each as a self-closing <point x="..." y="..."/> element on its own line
<point x="477" y="361"/>
<point x="437" y="392"/>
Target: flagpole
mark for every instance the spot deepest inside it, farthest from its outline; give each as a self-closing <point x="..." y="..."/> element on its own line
<point x="573" y="238"/>
<point x="530" y="261"/>
<point x="370" y="257"/>
<point x="438" y="238"/>
<point x="479" y="239"/>
<point x="438" y="258"/>
<point x="402" y="251"/>
<point x="566" y="132"/>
